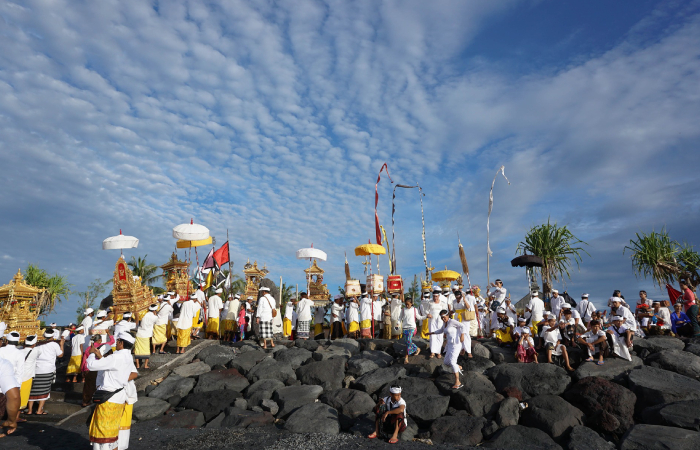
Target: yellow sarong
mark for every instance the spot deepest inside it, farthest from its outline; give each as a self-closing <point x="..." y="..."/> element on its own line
<point x="226" y="325"/>
<point x="354" y="326"/>
<point x="106" y="420"/>
<point x="425" y="329"/>
<point x="318" y="329"/>
<point x="533" y="330"/>
<point x="142" y="348"/>
<point x="364" y="324"/>
<point x="286" y="327"/>
<point x="503" y="335"/>
<point x="24" y="391"/>
<point x="195" y="320"/>
<point x="74" y="365"/>
<point x="213" y="325"/>
<point x="159" y="334"/>
<point x="184" y="337"/>
<point x="125" y="423"/>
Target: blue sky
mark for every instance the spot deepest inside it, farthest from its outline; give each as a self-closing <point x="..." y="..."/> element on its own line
<point x="271" y="120"/>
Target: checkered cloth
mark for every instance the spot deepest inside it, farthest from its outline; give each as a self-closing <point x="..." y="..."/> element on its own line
<point x="303" y="328"/>
<point x="266" y="329"/>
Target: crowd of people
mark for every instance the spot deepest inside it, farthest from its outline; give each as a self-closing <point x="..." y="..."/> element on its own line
<point x="105" y="354"/>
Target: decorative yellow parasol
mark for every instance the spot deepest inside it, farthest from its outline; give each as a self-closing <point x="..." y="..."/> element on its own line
<point x="445" y="275"/>
<point x="369" y="249"/>
<point x="181" y="243"/>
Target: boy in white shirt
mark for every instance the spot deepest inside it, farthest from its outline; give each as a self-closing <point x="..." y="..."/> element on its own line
<point x="552" y="342"/>
<point x="595" y="341"/>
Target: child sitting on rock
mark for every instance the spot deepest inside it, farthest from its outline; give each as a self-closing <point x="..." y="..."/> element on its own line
<point x="390" y="415"/>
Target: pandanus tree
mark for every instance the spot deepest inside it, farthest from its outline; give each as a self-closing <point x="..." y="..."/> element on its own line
<point x="141" y="268"/>
<point x="663" y="259"/>
<point x="57" y="286"/>
<point x="558" y="248"/>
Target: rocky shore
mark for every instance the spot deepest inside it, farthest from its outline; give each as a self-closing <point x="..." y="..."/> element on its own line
<point x="320" y="394"/>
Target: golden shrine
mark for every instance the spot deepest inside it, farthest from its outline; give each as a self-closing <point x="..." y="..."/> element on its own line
<point x="176" y="274"/>
<point x="318" y="292"/>
<point x="253" y="277"/>
<point x="20" y="306"/>
<point x="128" y="294"/>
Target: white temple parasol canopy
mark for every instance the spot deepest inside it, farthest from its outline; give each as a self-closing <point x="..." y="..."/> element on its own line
<point x="311" y="253"/>
<point x="119" y="242"/>
<point x="190" y="232"/>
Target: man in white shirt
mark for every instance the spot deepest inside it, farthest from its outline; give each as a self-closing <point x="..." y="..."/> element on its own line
<point x="125" y="325"/>
<point x="396" y="306"/>
<point x="555" y="302"/>
<point x="365" y="316"/>
<point x="215" y="306"/>
<point x="11" y="353"/>
<point x="266" y="306"/>
<point x="144" y="333"/>
<point x="200" y="300"/>
<point x="87" y="321"/>
<point x="618" y="310"/>
<point x="499" y="292"/>
<point x="304" y="307"/>
<point x="113" y="375"/>
<point x="620" y="337"/>
<point x="188" y="309"/>
<point x="160" y="329"/>
<point x="585" y="309"/>
<point x="471" y="304"/>
<point x="510" y="310"/>
<point x="9" y="386"/>
<point x="77" y="345"/>
<point x="377" y="313"/>
<point x="31" y="353"/>
<point x="288" y="321"/>
<point x="337" y="311"/>
<point x="595" y="341"/>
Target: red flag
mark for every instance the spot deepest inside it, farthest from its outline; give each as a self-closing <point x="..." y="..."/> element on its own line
<point x="376" y="201"/>
<point x="672" y="293"/>
<point x="222" y="255"/>
<point x="209" y="261"/>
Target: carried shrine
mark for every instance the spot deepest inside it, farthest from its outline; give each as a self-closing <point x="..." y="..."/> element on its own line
<point x="128" y="294"/>
<point x="318" y="292"/>
<point x="253" y="277"/>
<point x="20" y="306"/>
<point x="176" y="275"/>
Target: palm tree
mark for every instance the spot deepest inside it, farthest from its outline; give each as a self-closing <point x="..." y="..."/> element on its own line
<point x="658" y="256"/>
<point x="147" y="272"/>
<point x="557" y="246"/>
<point x="56" y="286"/>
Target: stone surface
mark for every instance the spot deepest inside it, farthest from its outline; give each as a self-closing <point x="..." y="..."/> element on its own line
<point x="261" y="390"/>
<point x="461" y="430"/>
<point x="478" y="396"/>
<point x="501" y="355"/>
<point x="519" y="437"/>
<point x="270" y="406"/>
<point x="295" y="357"/>
<point x="531" y="379"/>
<point x="349" y="402"/>
<point x="382" y="359"/>
<point x="693" y="348"/>
<point x="475" y="364"/>
<point x="307" y="344"/>
<point x="363" y="425"/>
<point x="608" y="406"/>
<point x="422" y="365"/>
<point x="216" y="380"/>
<point x="270" y="369"/>
<point x="426" y="408"/>
<point x="371" y="382"/>
<point x="551" y="414"/>
<point x="173" y="385"/>
<point x="192" y="369"/>
<point x="384" y="345"/>
<point x="360" y="366"/>
<point x="183" y="419"/>
<point x="328" y="373"/>
<point x="216" y="421"/>
<point x="239" y="418"/>
<point x="657" y="386"/>
<point x="211" y="403"/>
<point x="685" y="414"/>
<point x="681" y="362"/>
<point x="331" y="352"/>
<point x="350" y="345"/>
<point x="410" y="432"/>
<point x="292" y="397"/>
<point x="583" y="438"/>
<point x="216" y="355"/>
<point x="657" y="436"/>
<point x="613" y="368"/>
<point x="247" y="360"/>
<point x="508" y="413"/>
<point x="313" y="418"/>
<point x="147" y="408"/>
<point x="655" y="344"/>
<point x="412" y="388"/>
<point x="240" y="403"/>
<point x="480" y="350"/>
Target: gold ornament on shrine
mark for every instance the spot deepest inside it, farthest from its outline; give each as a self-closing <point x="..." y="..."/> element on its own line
<point x="128" y="293"/>
<point x="253" y="277"/>
<point x="176" y="275"/>
<point x="318" y="292"/>
<point x="20" y="305"/>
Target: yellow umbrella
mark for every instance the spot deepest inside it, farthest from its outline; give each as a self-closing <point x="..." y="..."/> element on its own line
<point x="369" y="249"/>
<point x="187" y="244"/>
<point x="445" y="275"/>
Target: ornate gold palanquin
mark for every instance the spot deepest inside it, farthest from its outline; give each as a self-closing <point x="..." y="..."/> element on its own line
<point x="176" y="274"/>
<point x="128" y="294"/>
<point x="318" y="292"/>
<point x="19" y="306"/>
<point x="253" y="277"/>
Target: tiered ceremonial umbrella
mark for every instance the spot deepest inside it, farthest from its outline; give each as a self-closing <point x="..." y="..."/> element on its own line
<point x="370" y="249"/>
<point x="445" y="275"/>
<point x="311" y="253"/>
<point x="120" y="242"/>
<point x="192" y="235"/>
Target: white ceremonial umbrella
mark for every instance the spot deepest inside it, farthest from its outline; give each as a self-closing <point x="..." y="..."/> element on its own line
<point x="191" y="232"/>
<point x="304" y="253"/>
<point x="119" y="242"/>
